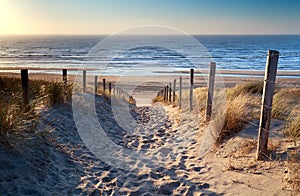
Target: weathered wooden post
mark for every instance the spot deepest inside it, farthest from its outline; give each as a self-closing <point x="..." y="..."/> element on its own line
<point x="180" y="92"/>
<point x="191" y="88"/>
<point x="25" y="85"/>
<point x="266" y="108"/>
<point x="174" y="89"/>
<point x="114" y="92"/>
<point x="104" y="85"/>
<point x="64" y="73"/>
<point x="96" y="84"/>
<point x="210" y="93"/>
<point x="109" y="88"/>
<point x="167" y="93"/>
<point x="170" y="92"/>
<point x="84" y="80"/>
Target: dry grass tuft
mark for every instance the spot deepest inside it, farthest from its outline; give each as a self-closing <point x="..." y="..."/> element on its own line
<point x="254" y="88"/>
<point x="58" y="93"/>
<point x="286" y="106"/>
<point x="293" y="128"/>
<point x="158" y="99"/>
<point x="237" y="114"/>
<point x="283" y="102"/>
<point x="14" y="115"/>
<point x="242" y="100"/>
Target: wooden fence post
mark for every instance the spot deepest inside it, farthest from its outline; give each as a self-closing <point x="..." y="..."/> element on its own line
<point x="191" y="88"/>
<point x="64" y="73"/>
<point x="114" y="91"/>
<point x="170" y="92"/>
<point x="84" y="80"/>
<point x="165" y="94"/>
<point x="266" y="108"/>
<point x="210" y="93"/>
<point x="174" y="89"/>
<point x="180" y="92"/>
<point x="104" y="85"/>
<point x="96" y="84"/>
<point x="109" y="88"/>
<point x="25" y="85"/>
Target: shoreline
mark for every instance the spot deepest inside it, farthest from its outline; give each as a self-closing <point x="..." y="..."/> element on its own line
<point x="221" y="72"/>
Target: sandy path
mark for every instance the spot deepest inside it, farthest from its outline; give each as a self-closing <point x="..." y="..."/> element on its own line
<point x="166" y="141"/>
<point x="62" y="164"/>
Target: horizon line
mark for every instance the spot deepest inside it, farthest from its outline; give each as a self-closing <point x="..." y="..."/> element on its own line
<point x="192" y="34"/>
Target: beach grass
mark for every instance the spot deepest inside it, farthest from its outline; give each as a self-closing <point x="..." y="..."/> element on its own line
<point x="251" y="88"/>
<point x="58" y="92"/>
<point x="243" y="104"/>
<point x="286" y="106"/>
<point x="243" y="101"/>
<point x="14" y="115"/>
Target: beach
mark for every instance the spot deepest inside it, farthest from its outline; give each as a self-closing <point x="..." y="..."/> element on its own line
<point x="149" y="98"/>
<point x="156" y="150"/>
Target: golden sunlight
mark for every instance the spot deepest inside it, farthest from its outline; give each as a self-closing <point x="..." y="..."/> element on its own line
<point x="8" y="20"/>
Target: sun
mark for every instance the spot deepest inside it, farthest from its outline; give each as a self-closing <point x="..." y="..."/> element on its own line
<point x="6" y="18"/>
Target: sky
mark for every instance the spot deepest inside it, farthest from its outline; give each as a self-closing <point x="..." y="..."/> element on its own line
<point x="111" y="16"/>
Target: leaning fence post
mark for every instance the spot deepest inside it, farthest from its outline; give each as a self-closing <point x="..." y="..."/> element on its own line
<point x="174" y="89"/>
<point x="84" y="80"/>
<point x="25" y="86"/>
<point x="180" y="92"/>
<point x="96" y="85"/>
<point x="210" y="93"/>
<point x="191" y="88"/>
<point x="266" y="108"/>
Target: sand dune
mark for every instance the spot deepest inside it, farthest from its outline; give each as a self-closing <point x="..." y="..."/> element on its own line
<point x="145" y="150"/>
<point x="159" y="156"/>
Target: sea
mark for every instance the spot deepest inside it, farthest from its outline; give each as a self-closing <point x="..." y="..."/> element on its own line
<point x="148" y="54"/>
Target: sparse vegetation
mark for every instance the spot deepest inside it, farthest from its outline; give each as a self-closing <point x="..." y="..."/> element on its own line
<point x="284" y="101"/>
<point x="58" y="92"/>
<point x="286" y="106"/>
<point x="243" y="105"/>
<point x="252" y="88"/>
<point x="236" y="115"/>
<point x="242" y="102"/>
<point x="160" y="98"/>
<point x="14" y="115"/>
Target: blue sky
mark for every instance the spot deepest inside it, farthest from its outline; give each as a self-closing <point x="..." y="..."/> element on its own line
<point x="110" y="16"/>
